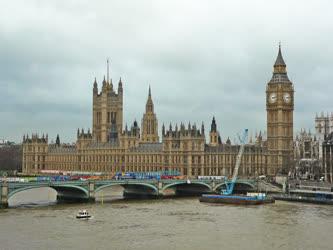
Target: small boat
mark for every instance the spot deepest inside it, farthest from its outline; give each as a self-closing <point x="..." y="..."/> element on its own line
<point x="83" y="214"/>
<point x="249" y="199"/>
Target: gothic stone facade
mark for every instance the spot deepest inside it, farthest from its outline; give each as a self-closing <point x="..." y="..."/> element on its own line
<point x="328" y="157"/>
<point x="109" y="147"/>
<point x="306" y="156"/>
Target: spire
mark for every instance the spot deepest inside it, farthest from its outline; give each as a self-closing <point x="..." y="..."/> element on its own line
<point x="58" y="140"/>
<point x="95" y="89"/>
<point x="202" y="128"/>
<point x="104" y="82"/>
<point x="107" y="70"/>
<point x="228" y="141"/>
<point x="279" y="65"/>
<point x="149" y="104"/>
<point x="109" y="84"/>
<point x="280" y="71"/>
<point x="279" y="60"/>
<point x="213" y="125"/>
<point x="163" y="129"/>
<point x="120" y="86"/>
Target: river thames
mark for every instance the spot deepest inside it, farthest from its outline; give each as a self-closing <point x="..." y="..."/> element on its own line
<point x="180" y="223"/>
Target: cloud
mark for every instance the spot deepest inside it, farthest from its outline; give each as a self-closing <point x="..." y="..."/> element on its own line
<point x="201" y="59"/>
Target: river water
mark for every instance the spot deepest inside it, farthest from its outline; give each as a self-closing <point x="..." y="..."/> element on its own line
<point x="180" y="223"/>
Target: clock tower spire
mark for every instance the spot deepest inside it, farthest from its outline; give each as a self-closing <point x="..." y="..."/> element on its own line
<point x="280" y="107"/>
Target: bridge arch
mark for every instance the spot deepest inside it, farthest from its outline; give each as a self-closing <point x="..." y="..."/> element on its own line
<point x="18" y="190"/>
<point x="66" y="187"/>
<point x="60" y="189"/>
<point x="238" y="183"/>
<point x="124" y="185"/>
<point x="175" y="184"/>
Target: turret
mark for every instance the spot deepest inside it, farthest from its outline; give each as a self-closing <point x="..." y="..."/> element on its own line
<point x="163" y="130"/>
<point x="120" y="87"/>
<point x="104" y="87"/>
<point x="228" y="141"/>
<point x="213" y="125"/>
<point x="214" y="134"/>
<point x="202" y="129"/>
<point x="58" y="140"/>
<point x="95" y="89"/>
<point x="111" y="85"/>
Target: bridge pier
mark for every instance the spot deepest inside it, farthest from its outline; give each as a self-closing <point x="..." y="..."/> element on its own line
<point x="91" y="192"/>
<point x="160" y="189"/>
<point x="4" y="195"/>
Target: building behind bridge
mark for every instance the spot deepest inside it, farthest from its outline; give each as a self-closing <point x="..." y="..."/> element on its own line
<point x="111" y="147"/>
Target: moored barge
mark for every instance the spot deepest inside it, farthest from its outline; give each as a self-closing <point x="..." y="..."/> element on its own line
<point x="307" y="196"/>
<point x="253" y="199"/>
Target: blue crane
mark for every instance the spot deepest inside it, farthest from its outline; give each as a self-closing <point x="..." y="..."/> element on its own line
<point x="231" y="184"/>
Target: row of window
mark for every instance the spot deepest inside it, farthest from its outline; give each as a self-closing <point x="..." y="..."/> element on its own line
<point x="226" y="158"/>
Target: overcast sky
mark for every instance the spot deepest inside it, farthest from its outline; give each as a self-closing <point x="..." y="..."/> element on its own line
<point x="201" y="58"/>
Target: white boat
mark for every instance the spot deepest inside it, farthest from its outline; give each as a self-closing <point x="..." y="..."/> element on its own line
<point x="83" y="214"/>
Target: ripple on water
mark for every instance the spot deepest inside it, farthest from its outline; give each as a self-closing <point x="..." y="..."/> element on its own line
<point x="45" y="216"/>
<point x="143" y="209"/>
<point x="119" y="206"/>
<point x="125" y="227"/>
<point x="168" y="224"/>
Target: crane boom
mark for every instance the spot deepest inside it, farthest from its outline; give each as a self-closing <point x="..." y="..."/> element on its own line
<point x="230" y="185"/>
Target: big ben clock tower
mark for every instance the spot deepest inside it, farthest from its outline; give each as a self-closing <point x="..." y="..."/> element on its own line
<point x="280" y="107"/>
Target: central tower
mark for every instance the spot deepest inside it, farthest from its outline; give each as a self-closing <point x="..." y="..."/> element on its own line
<point x="280" y="107"/>
<point x="149" y="124"/>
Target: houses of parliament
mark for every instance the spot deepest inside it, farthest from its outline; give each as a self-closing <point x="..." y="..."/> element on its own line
<point x="111" y="147"/>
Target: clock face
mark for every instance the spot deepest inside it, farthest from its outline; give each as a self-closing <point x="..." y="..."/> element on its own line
<point x="272" y="98"/>
<point x="286" y="97"/>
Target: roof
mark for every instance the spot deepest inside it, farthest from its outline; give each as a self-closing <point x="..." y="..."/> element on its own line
<point x="249" y="148"/>
<point x="280" y="78"/>
<point x="97" y="145"/>
<point x="148" y="147"/>
<point x="53" y="148"/>
<point x="279" y="60"/>
<point x="280" y="73"/>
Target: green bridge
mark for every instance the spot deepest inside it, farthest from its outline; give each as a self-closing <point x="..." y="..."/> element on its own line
<point x="84" y="191"/>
